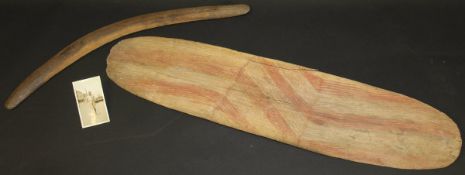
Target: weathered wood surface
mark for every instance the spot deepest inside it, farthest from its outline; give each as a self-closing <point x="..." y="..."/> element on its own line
<point x="286" y="102"/>
<point x="106" y="34"/>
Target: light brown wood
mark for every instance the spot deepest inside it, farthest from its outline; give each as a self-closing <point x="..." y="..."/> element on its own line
<point x="95" y="39"/>
<point x="292" y="104"/>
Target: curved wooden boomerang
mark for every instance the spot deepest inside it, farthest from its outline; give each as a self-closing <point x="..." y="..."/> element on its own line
<point x="94" y="40"/>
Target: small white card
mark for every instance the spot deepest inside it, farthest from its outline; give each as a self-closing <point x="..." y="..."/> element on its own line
<point x="91" y="102"/>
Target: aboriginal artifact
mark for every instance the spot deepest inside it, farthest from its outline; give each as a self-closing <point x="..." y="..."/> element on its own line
<point x="289" y="103"/>
<point x="95" y="39"/>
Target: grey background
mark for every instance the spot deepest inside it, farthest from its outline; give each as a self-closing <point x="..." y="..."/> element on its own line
<point x="414" y="48"/>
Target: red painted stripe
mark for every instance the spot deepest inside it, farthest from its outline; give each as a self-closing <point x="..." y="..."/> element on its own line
<point x="314" y="80"/>
<point x="367" y="122"/>
<point x="295" y="99"/>
<point x="196" y="93"/>
<point x="181" y="89"/>
<point x="227" y="107"/>
<point x="349" y="90"/>
<point x="187" y="60"/>
<point x="273" y="115"/>
<point x="347" y="120"/>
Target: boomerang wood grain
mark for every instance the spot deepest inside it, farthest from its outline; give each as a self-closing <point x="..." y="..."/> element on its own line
<point x="95" y="39"/>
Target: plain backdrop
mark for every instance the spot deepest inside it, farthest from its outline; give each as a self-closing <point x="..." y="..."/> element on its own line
<point x="416" y="48"/>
